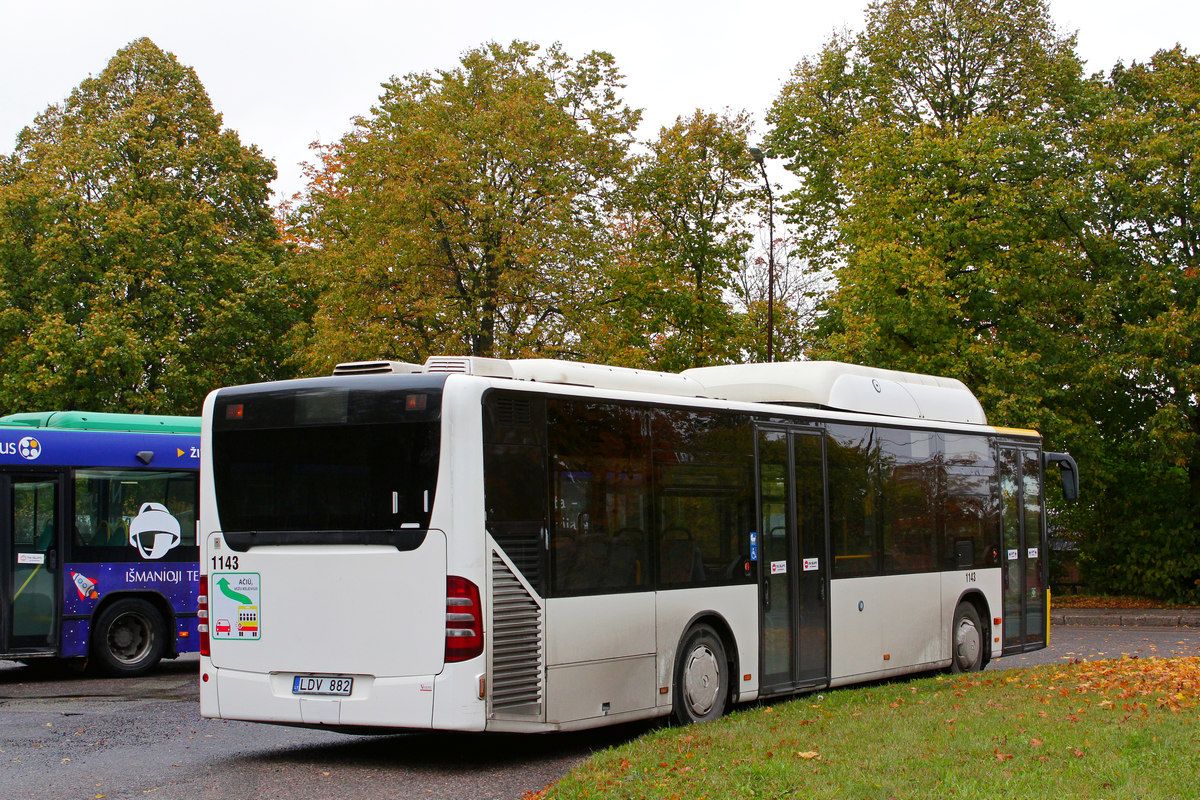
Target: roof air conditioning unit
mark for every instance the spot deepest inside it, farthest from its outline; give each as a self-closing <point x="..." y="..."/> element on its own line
<point x="376" y="368"/>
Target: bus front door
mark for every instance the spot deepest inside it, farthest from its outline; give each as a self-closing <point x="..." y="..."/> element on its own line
<point x="1024" y="550"/>
<point x="29" y="536"/>
<point x="793" y="560"/>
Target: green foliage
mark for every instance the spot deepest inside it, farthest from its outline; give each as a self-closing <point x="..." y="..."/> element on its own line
<point x="466" y="212"/>
<point x="138" y="258"/>
<point x="993" y="216"/>
<point x="936" y="163"/>
<point x="680" y="242"/>
<point x="1144" y="244"/>
<point x="932" y="65"/>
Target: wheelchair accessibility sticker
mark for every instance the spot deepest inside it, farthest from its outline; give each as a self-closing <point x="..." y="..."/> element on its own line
<point x="234" y="606"/>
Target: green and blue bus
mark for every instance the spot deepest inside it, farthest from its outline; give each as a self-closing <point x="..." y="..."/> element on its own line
<point x="98" y="555"/>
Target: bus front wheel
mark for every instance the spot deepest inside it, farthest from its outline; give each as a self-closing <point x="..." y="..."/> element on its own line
<point x="701" y="677"/>
<point x="128" y="638"/>
<point x="967" y="640"/>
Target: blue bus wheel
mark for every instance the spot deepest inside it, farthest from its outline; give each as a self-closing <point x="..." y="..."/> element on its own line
<point x="128" y="637"/>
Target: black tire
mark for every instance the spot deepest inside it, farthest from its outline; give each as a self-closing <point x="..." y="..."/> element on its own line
<point x="128" y="638"/>
<point x="968" y="640"/>
<point x="701" y="677"/>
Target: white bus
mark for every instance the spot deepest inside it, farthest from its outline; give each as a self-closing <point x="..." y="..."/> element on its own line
<point x="535" y="545"/>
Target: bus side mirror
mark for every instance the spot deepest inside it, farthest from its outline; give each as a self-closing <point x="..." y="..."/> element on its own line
<point x="1070" y="473"/>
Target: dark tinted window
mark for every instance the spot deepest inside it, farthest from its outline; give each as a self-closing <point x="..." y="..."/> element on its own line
<point x="853" y="500"/>
<point x="599" y="475"/>
<point x="704" y="501"/>
<point x="514" y="478"/>
<point x="133" y="515"/>
<point x="908" y="481"/>
<point x="514" y="490"/>
<point x="327" y="478"/>
<point x="328" y="455"/>
<point x="971" y="508"/>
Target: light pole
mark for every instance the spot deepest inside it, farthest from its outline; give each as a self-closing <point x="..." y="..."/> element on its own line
<point x="757" y="155"/>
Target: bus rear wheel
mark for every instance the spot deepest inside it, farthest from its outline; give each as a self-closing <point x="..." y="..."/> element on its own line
<point x="701" y="677"/>
<point x="128" y="638"/>
<point x="967" y="640"/>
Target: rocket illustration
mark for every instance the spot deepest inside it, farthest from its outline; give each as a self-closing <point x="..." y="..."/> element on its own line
<point x="85" y="586"/>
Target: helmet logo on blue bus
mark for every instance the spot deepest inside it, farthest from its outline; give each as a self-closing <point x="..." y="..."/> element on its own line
<point x="29" y="448"/>
<point x="155" y="526"/>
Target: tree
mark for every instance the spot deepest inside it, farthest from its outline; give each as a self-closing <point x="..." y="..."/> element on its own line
<point x="993" y="216"/>
<point x="1144" y="249"/>
<point x="139" y="265"/>
<point x="679" y="244"/>
<point x="920" y="65"/>
<point x="934" y="154"/>
<point x="467" y="213"/>
<point x="798" y="290"/>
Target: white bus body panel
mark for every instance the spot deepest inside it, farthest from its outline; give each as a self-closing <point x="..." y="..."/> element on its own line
<point x="856" y="628"/>
<point x="600" y="656"/>
<point x="737" y="606"/>
<point x="888" y="625"/>
<point x="320" y="604"/>
<point x="333" y="599"/>
<point x="611" y="656"/>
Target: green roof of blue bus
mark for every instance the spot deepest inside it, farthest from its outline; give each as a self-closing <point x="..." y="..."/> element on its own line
<point x="98" y="421"/>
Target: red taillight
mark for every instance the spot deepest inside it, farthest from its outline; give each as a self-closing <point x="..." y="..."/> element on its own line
<point x="464" y="620"/>
<point x="202" y="614"/>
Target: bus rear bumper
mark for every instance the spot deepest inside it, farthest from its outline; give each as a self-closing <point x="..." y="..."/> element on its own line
<point x="405" y="703"/>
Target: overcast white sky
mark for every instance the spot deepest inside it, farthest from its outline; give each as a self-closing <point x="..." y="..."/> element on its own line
<point x="286" y="72"/>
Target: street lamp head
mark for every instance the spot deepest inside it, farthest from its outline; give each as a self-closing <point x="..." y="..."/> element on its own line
<point x="757" y="154"/>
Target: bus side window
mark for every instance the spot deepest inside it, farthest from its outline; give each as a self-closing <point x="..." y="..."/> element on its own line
<point x="107" y="501"/>
<point x="598" y="457"/>
<point x="970" y="512"/>
<point x="853" y="500"/>
<point x="704" y="496"/>
<point x="908" y="478"/>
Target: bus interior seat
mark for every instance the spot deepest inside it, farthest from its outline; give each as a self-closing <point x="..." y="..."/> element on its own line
<point x="624" y="558"/>
<point x="681" y="558"/>
<point x="587" y="567"/>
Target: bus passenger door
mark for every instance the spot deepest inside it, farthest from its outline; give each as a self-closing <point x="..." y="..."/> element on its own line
<point x="29" y="515"/>
<point x="808" y="454"/>
<point x="1024" y="549"/>
<point x="793" y="560"/>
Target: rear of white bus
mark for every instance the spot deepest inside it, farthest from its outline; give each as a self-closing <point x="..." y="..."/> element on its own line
<point x="326" y="599"/>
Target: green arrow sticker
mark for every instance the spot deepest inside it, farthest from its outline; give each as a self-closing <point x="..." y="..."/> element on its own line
<point x="233" y="594"/>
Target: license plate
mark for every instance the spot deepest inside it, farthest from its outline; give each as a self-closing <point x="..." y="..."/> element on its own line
<point x="322" y="684"/>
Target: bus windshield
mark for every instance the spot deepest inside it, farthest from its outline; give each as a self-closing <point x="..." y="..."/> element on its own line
<point x="331" y="461"/>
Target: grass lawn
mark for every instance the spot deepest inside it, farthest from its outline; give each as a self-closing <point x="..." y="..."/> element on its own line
<point x="1128" y="728"/>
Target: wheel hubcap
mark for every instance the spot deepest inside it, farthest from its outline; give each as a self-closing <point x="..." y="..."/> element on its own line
<point x="701" y="680"/>
<point x="129" y="638"/>
<point x="967" y="643"/>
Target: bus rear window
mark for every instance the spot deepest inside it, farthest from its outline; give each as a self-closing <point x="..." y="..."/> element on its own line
<point x="326" y="478"/>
